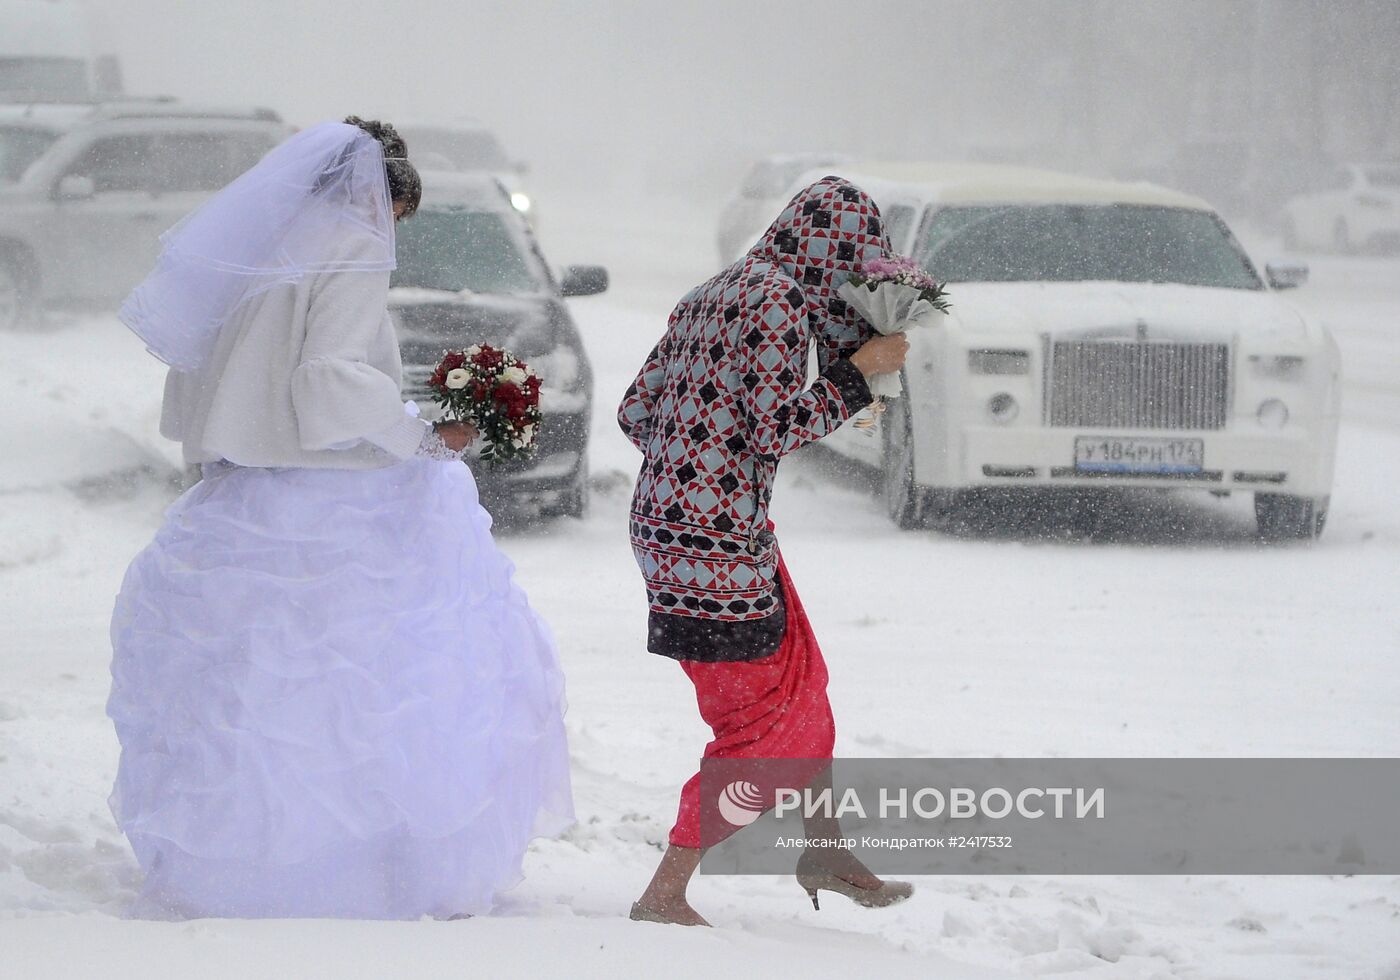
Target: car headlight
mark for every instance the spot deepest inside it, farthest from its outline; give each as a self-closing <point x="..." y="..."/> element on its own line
<point x="1002" y="408"/>
<point x="999" y="361"/>
<point x="521" y="202"/>
<point x="1279" y="367"/>
<point x="1273" y="413"/>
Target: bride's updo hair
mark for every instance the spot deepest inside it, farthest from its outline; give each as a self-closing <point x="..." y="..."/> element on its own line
<point x="405" y="186"/>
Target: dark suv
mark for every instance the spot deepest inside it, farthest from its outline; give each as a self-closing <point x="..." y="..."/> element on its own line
<point x="470" y="272"/>
<point x="87" y="190"/>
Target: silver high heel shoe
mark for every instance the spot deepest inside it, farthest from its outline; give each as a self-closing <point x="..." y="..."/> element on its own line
<point x="814" y="878"/>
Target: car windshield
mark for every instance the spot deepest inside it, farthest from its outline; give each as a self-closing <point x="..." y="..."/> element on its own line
<point x="19" y="148"/>
<point x="463" y="249"/>
<point x="464" y="149"/>
<point x="1387" y="177"/>
<point x="1072" y="243"/>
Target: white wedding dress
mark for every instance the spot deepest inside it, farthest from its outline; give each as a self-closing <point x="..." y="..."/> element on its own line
<point x="332" y="699"/>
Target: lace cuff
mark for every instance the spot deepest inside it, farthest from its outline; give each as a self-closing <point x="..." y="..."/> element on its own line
<point x="432" y="447"/>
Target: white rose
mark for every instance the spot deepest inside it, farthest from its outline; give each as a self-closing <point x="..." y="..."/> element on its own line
<point x="526" y="434"/>
<point x="513" y="375"/>
<point x="473" y="350"/>
<point x="457" y="378"/>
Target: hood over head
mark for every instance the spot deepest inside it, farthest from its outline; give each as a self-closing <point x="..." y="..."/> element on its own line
<point x="828" y="230"/>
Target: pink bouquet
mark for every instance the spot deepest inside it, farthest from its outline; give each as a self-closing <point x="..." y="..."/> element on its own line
<point x="893" y="293"/>
<point x="901" y="271"/>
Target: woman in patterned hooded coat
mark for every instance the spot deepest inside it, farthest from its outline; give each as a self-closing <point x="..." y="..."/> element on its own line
<point x="720" y="400"/>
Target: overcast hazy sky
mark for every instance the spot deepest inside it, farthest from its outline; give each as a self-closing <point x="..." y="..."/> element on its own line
<point x="663" y="92"/>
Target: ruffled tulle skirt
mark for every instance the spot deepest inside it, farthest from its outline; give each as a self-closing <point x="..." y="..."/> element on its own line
<point x="332" y="699"/>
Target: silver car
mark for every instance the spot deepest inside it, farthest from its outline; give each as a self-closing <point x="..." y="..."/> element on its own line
<point x="87" y="190"/>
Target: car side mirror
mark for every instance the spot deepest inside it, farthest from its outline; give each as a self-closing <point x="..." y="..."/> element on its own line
<point x="584" y="280"/>
<point x="1286" y="275"/>
<point x="75" y="187"/>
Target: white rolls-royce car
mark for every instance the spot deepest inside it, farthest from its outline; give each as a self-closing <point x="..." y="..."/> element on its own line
<point x="1101" y="334"/>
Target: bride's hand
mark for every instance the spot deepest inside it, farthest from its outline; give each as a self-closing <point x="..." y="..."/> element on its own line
<point x="456" y="435"/>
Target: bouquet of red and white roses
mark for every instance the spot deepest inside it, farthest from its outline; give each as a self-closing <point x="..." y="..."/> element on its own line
<point x="497" y="393"/>
<point x="893" y="293"/>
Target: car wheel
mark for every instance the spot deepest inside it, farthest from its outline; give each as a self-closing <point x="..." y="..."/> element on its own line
<point x="574" y="502"/>
<point x="904" y="500"/>
<point x="1285" y="517"/>
<point x="13" y="299"/>
<point x="1341" y="238"/>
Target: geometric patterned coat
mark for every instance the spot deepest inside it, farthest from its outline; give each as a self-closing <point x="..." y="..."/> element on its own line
<point x="723" y="397"/>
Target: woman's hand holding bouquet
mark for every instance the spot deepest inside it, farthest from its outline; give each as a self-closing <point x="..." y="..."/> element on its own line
<point x="893" y="294"/>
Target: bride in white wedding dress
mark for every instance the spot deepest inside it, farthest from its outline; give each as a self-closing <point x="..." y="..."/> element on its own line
<point x="331" y="697"/>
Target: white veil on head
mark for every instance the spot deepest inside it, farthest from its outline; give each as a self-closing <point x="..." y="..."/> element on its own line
<point x="291" y="215"/>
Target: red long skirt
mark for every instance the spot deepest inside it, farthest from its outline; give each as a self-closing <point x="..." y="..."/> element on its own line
<point x="774" y="708"/>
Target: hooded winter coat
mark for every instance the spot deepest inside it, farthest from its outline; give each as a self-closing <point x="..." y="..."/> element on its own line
<point x="721" y="399"/>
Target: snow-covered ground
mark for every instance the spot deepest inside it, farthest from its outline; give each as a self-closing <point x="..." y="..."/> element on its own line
<point x="1153" y="627"/>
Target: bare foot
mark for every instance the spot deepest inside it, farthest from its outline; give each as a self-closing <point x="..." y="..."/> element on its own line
<point x="670" y="911"/>
<point x="664" y="898"/>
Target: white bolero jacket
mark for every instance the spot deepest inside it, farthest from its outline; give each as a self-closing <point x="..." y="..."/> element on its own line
<point x="305" y="374"/>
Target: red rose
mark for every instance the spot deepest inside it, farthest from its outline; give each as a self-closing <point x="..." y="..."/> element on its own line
<point x="489" y="359"/>
<point x="451" y="361"/>
<point x="512" y="401"/>
<point x="480" y="391"/>
<point x="438" y="379"/>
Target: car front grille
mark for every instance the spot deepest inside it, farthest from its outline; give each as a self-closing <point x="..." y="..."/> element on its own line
<point x="1137" y="385"/>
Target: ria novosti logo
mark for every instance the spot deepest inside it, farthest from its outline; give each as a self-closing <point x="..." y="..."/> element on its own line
<point x="741" y="803"/>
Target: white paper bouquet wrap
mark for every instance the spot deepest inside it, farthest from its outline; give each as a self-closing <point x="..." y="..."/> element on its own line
<point x="890" y="307"/>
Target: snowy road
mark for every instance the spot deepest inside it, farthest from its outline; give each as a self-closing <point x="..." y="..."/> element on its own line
<point x="1157" y="627"/>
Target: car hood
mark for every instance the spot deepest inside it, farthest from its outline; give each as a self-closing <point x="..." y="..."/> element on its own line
<point x="1164" y="311"/>
<point x="436" y="319"/>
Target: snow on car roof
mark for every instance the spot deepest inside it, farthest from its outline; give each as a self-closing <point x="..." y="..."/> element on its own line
<point x="52" y="116"/>
<point x="817" y="157"/>
<point x="968" y="183"/>
<point x="463" y="124"/>
<point x="68" y="115"/>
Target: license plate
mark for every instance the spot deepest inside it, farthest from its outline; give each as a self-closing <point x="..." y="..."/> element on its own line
<point x="1115" y="454"/>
